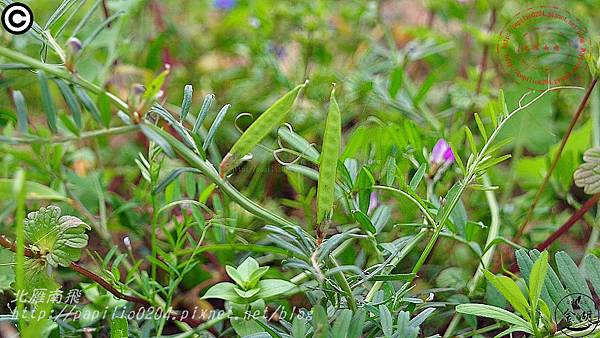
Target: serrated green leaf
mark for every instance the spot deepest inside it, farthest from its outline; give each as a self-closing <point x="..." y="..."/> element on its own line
<point x="7" y="271"/>
<point x="58" y="238"/>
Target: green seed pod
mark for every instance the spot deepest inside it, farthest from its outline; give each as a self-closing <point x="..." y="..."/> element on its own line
<point x="330" y="153"/>
<point x="259" y="129"/>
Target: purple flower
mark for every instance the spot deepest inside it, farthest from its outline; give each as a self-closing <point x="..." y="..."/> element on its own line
<point x="277" y="50"/>
<point x="224" y="4"/>
<point x="373" y="202"/>
<point x="441" y="153"/>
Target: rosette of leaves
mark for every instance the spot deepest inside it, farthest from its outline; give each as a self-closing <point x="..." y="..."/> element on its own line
<point x="587" y="176"/>
<point x="248" y="285"/>
<point x="247" y="296"/>
<point x="57" y="239"/>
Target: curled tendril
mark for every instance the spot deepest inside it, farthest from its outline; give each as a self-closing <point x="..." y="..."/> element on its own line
<point x="283" y="149"/>
<point x="235" y="122"/>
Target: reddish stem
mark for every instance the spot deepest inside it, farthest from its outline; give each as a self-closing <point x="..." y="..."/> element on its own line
<point x="569" y="223"/>
<point x="100" y="281"/>
<point x="556" y="158"/>
<point x="565" y="227"/>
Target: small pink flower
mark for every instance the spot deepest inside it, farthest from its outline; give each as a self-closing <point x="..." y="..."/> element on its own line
<point x="373" y="202"/>
<point x="441" y="153"/>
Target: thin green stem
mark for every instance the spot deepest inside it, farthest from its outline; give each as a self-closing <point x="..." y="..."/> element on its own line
<point x="63" y="139"/>
<point x="212" y="174"/>
<point x="472" y="173"/>
<point x="343" y="283"/>
<point x="61" y="73"/>
<point x="556" y="158"/>
<point x="19" y="190"/>
<point x="408" y="248"/>
<point x="487" y="257"/>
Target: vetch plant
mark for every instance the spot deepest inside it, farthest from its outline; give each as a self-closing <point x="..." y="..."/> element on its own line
<point x="151" y="170"/>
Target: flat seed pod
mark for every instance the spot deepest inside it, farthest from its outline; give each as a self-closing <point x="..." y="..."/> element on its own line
<point x="330" y="153"/>
<point x="259" y="129"/>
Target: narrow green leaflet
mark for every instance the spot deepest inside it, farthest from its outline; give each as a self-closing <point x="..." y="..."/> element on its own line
<point x="19" y="101"/>
<point x="71" y="102"/>
<point x="573" y="279"/>
<point x="385" y="318"/>
<point x="259" y="129"/>
<point x="47" y="103"/>
<point x="342" y="323"/>
<point x="592" y="269"/>
<point x="536" y="279"/>
<point x="493" y="312"/>
<point x="33" y="191"/>
<point x="328" y="162"/>
<point x="320" y="322"/>
<point x="511" y="291"/>
<point x="187" y="102"/>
